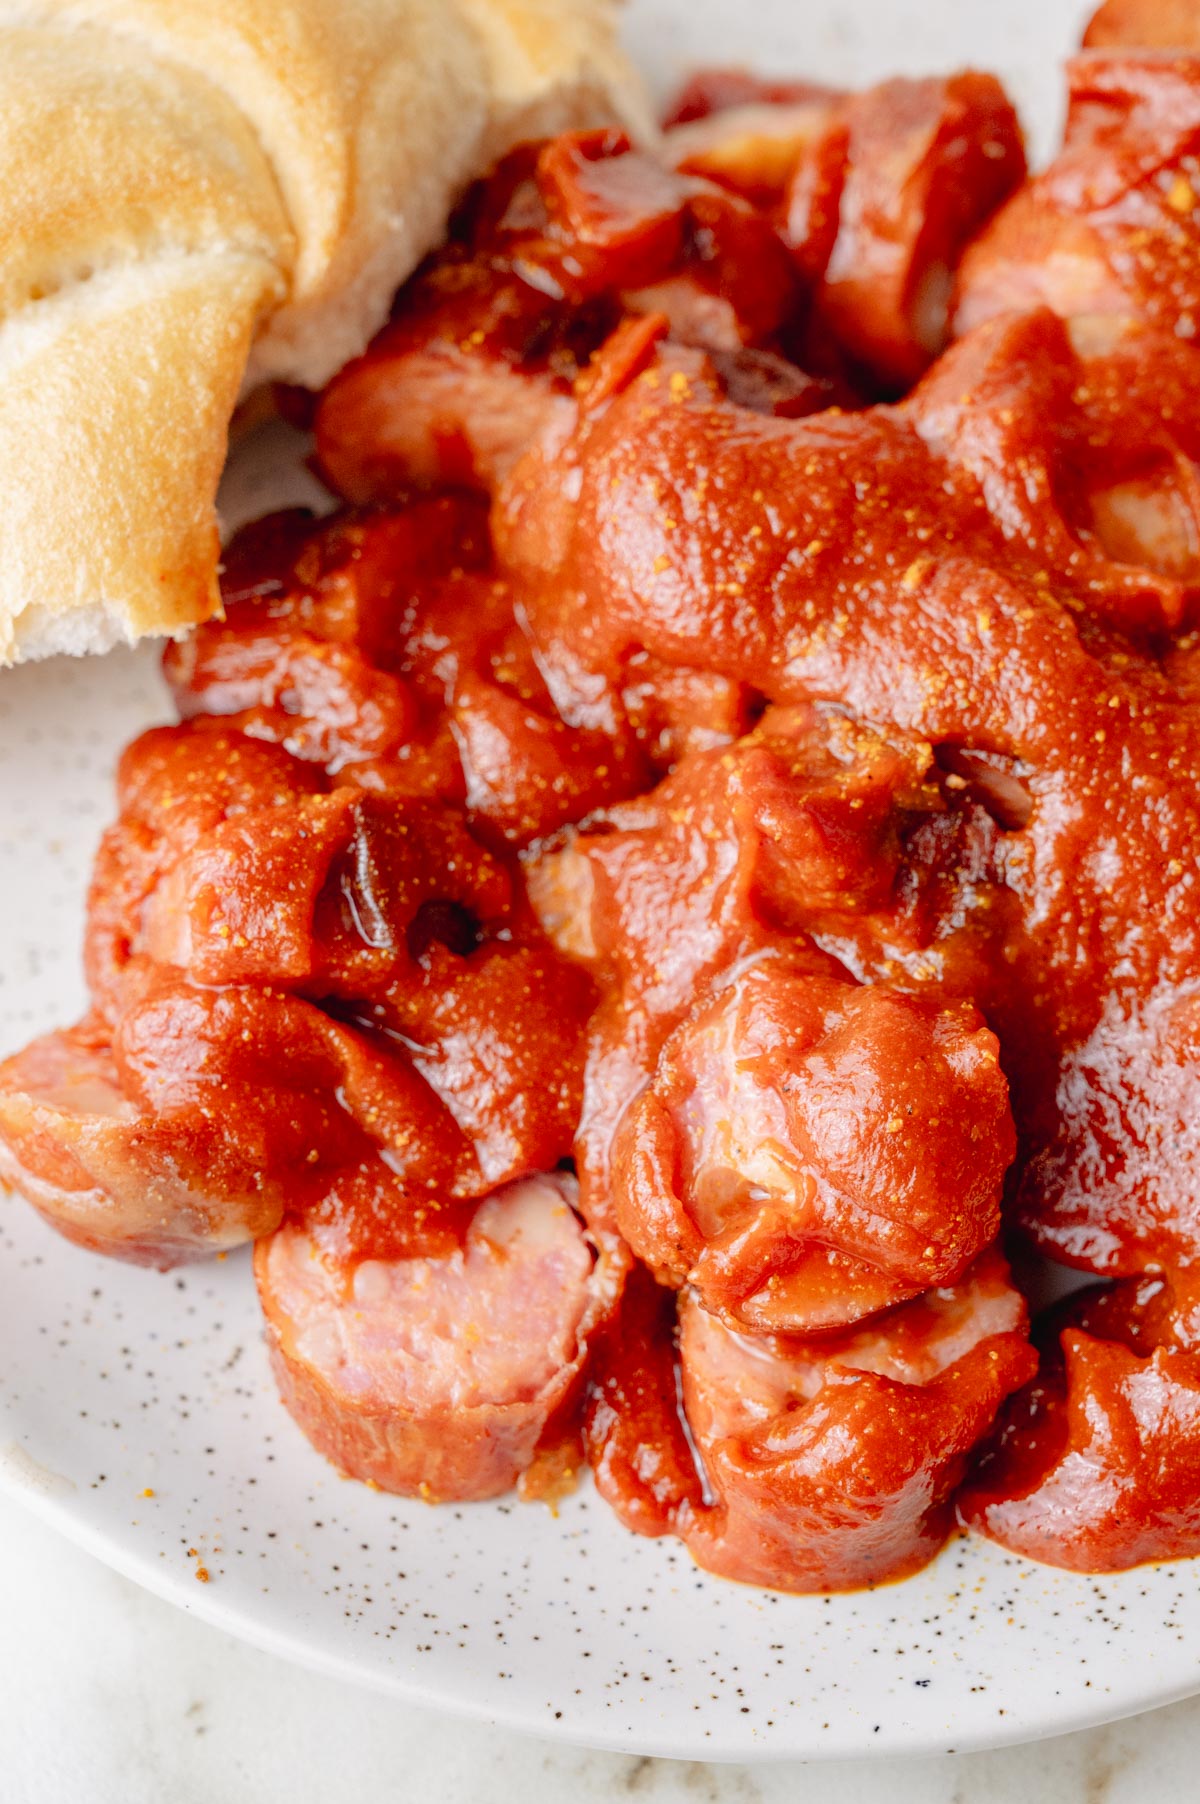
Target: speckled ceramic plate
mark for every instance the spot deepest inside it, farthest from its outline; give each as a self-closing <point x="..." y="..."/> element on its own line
<point x="137" y="1413"/>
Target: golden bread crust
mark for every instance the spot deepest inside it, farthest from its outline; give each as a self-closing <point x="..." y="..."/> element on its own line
<point x="202" y="195"/>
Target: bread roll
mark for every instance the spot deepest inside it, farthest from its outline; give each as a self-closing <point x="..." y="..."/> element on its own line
<point x="200" y="195"/>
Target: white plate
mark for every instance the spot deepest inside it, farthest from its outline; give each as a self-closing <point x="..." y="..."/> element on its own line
<point x="117" y="1383"/>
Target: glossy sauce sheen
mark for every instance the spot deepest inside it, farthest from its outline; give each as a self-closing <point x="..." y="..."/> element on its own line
<point x="739" y="740"/>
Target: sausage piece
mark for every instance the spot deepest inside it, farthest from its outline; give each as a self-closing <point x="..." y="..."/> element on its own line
<point x="452" y="391"/>
<point x="1095" y="1465"/>
<point x="1144" y="24"/>
<point x="188" y="1129"/>
<point x="833" y="1463"/>
<point x="882" y="203"/>
<point x="103" y="1173"/>
<point x="1110" y="226"/>
<point x="440" y="1377"/>
<point x="810" y="1151"/>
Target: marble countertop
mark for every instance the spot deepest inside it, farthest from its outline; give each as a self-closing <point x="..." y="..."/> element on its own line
<point x="108" y="1696"/>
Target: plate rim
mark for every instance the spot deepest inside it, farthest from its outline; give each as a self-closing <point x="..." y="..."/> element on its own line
<point x="206" y="1605"/>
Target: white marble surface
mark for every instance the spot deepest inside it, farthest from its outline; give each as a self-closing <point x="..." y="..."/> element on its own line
<point x="108" y="1696"/>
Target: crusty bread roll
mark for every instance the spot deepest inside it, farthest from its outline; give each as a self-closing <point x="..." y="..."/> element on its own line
<point x="200" y="195"/>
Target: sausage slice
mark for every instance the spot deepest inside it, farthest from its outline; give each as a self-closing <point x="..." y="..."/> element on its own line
<point x="832" y="1464"/>
<point x="105" y="1174"/>
<point x="440" y="1377"/>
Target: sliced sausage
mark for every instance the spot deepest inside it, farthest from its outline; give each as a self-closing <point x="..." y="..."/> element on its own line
<point x="752" y="147"/>
<point x="322" y="702"/>
<point x="1095" y="1465"/>
<point x="1146" y="24"/>
<point x="207" y="1110"/>
<point x="440" y="1377"/>
<point x="1109" y="227"/>
<point x="452" y="392"/>
<point x="882" y="202"/>
<point x="832" y="1463"/>
<point x="810" y="1151"/>
<point x="101" y="1171"/>
<point x="174" y="785"/>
